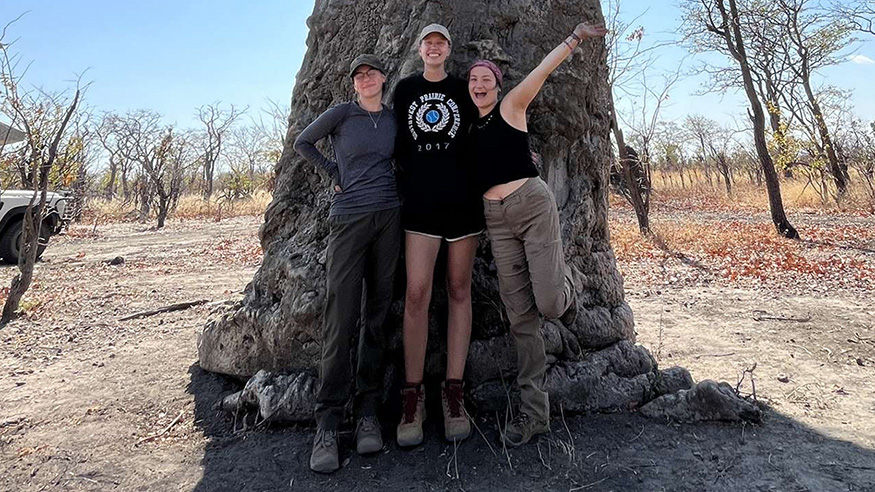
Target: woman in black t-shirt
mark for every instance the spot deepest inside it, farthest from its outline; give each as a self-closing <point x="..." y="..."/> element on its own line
<point x="434" y="112"/>
<point x="523" y="225"/>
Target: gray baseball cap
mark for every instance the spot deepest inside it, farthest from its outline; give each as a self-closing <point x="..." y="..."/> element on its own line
<point x="434" y="28"/>
<point x="366" y="59"/>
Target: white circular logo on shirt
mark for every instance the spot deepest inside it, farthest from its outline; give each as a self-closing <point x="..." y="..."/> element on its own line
<point x="433" y="113"/>
<point x="433" y="117"/>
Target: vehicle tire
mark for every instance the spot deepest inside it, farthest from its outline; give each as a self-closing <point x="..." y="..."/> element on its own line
<point x="10" y="242"/>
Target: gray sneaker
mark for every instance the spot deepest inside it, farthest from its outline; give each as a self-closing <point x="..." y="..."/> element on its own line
<point x="324" y="457"/>
<point x="522" y="429"/>
<point x="368" y="436"/>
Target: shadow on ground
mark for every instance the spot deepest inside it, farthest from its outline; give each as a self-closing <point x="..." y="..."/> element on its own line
<point x="620" y="452"/>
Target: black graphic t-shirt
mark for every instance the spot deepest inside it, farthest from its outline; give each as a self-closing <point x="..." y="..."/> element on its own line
<point x="431" y="146"/>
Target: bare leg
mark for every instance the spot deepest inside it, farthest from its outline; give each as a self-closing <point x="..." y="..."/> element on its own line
<point x="421" y="254"/>
<point x="460" y="261"/>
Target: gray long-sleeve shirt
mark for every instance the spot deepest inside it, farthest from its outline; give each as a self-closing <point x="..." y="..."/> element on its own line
<point x="363" y="168"/>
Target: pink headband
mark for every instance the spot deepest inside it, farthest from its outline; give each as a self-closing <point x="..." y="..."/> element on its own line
<point x="492" y="68"/>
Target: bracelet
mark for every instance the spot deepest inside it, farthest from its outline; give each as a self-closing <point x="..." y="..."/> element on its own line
<point x="568" y="44"/>
<point x="576" y="37"/>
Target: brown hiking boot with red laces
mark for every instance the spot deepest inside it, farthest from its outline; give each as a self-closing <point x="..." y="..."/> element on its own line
<point x="412" y="416"/>
<point x="456" y="424"/>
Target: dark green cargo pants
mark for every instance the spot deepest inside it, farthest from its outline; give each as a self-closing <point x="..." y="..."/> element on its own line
<point x="362" y="248"/>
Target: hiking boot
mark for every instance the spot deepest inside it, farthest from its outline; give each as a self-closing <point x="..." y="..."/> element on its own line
<point x="456" y="424"/>
<point x="412" y="415"/>
<point x="522" y="429"/>
<point x="324" y="457"/>
<point x="368" y="436"/>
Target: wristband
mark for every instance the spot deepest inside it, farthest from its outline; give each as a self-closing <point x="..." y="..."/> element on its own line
<point x="568" y="44"/>
<point x="576" y="37"/>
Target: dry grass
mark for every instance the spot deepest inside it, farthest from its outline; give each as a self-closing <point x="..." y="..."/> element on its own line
<point x="190" y="207"/>
<point x="194" y="207"/>
<point x="798" y="195"/>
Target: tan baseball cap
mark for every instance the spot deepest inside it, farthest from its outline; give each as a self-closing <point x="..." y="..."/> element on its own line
<point x="435" y="28"/>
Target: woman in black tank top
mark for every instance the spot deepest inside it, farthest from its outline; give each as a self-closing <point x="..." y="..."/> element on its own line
<point x="523" y="225"/>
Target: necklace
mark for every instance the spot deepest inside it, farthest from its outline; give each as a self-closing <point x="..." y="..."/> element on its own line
<point x="481" y="126"/>
<point x="380" y="115"/>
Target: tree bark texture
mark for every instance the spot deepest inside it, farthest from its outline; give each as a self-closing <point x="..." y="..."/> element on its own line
<point x="275" y="331"/>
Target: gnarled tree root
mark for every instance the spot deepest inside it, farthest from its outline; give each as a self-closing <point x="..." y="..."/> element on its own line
<point x="621" y="377"/>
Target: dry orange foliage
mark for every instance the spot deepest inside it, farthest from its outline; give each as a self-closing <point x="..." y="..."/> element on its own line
<point x="746" y="252"/>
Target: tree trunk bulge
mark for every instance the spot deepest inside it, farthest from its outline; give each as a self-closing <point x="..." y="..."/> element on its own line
<point x="276" y="328"/>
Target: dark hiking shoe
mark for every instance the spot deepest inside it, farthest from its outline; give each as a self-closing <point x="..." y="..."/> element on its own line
<point x="412" y="416"/>
<point x="456" y="424"/>
<point x="324" y="457"/>
<point x="522" y="429"/>
<point x="368" y="436"/>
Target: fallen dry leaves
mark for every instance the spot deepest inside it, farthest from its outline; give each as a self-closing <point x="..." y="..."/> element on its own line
<point x="748" y="253"/>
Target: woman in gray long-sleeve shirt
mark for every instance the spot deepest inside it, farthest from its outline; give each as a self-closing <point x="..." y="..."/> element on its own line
<point x="364" y="244"/>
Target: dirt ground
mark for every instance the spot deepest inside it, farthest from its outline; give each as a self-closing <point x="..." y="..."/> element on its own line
<point x="90" y="402"/>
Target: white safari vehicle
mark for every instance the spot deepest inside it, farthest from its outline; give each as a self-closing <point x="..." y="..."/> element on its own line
<point x="13" y="203"/>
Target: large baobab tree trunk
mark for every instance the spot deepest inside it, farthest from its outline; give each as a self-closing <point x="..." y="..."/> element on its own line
<point x="595" y="364"/>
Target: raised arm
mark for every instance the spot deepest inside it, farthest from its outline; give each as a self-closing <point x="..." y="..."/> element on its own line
<point x="517" y="101"/>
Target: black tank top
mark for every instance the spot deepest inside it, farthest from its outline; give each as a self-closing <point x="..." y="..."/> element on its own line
<point x="501" y="152"/>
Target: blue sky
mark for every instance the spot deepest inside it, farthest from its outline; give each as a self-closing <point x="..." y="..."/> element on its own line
<point x="170" y="56"/>
<point x="175" y="56"/>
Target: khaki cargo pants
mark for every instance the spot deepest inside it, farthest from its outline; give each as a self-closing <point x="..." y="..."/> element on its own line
<point x="532" y="278"/>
